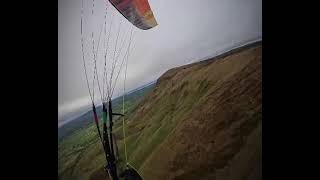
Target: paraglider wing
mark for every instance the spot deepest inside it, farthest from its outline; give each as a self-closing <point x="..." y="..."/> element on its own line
<point x="138" y="12"/>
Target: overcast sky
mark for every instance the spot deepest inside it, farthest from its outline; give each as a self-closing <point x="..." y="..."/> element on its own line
<point x="187" y="31"/>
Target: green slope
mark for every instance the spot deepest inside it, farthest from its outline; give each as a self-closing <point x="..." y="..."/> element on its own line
<point x="198" y="118"/>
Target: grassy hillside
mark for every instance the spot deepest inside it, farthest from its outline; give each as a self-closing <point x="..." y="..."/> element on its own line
<point x="200" y="121"/>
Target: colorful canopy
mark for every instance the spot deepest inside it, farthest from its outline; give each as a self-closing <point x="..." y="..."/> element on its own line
<point x="138" y="12"/>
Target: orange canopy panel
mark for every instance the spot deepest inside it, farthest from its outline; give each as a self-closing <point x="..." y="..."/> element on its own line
<point x="138" y="12"/>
